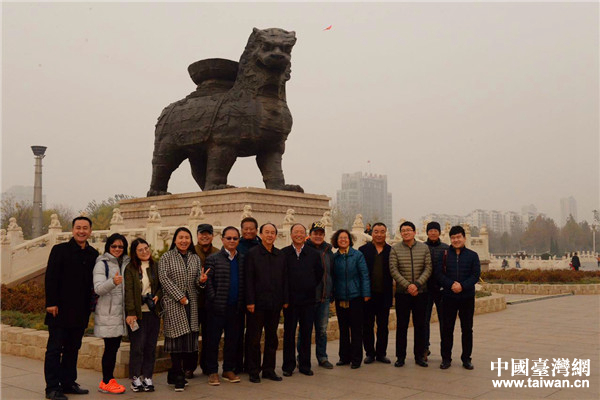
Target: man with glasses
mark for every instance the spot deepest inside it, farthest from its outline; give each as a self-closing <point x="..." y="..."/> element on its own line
<point x="224" y="305"/>
<point x="204" y="248"/>
<point x="68" y="294"/>
<point x="410" y="266"/>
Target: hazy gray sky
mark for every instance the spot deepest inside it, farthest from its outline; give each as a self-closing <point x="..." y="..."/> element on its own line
<point x="462" y="105"/>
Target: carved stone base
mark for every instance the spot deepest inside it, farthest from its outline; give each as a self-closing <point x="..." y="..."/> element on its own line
<point x="225" y="207"/>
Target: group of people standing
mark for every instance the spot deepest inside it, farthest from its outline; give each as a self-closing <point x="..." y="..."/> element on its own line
<point x="240" y="291"/>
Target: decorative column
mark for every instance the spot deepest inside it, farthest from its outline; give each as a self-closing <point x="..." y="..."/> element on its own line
<point x="38" y="152"/>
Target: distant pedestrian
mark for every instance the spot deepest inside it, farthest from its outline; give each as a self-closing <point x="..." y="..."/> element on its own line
<point x="505" y="263"/>
<point x="368" y="229"/>
<point x="518" y="262"/>
<point x="575" y="262"/>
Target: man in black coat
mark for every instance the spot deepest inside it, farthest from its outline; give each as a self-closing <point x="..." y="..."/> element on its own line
<point x="304" y="273"/>
<point x="69" y="292"/>
<point x="377" y="256"/>
<point x="225" y="305"/>
<point x="266" y="294"/>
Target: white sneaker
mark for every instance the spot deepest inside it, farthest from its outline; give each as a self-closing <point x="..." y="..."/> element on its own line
<point x="136" y="384"/>
<point x="148" y="385"/>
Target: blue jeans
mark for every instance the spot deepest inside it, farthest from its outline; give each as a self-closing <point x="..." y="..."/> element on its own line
<point x="321" y="320"/>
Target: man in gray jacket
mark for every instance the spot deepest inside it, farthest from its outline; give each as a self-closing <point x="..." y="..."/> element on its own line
<point x="410" y="266"/>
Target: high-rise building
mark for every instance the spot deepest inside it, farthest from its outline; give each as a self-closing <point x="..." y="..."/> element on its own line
<point x="497" y="221"/>
<point x="568" y="207"/>
<point x="365" y="194"/>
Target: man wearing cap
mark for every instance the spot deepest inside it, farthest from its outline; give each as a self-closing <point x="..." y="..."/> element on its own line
<point x="410" y="266"/>
<point x="323" y="298"/>
<point x="457" y="272"/>
<point x="434" y="296"/>
<point x="377" y="256"/>
<point x="204" y="248"/>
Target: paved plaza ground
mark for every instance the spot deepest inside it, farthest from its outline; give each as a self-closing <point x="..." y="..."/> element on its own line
<point x="564" y="327"/>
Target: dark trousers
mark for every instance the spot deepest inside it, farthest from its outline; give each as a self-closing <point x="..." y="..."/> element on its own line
<point x="182" y="362"/>
<point x="376" y="309"/>
<point x="405" y="304"/>
<point x="229" y="323"/>
<point x="109" y="357"/>
<point x="350" y="321"/>
<point x="241" y="362"/>
<point x="294" y="315"/>
<point x="142" y="353"/>
<point x="256" y="321"/>
<point x="60" y="363"/>
<point x="433" y="298"/>
<point x="465" y="308"/>
<point x="204" y="335"/>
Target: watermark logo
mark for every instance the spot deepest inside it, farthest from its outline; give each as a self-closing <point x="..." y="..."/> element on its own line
<point x="542" y="369"/>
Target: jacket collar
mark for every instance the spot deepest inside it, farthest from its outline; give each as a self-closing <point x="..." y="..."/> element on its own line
<point x="324" y="247"/>
<point x="264" y="250"/>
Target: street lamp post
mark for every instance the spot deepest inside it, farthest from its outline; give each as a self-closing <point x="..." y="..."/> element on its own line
<point x="38" y="154"/>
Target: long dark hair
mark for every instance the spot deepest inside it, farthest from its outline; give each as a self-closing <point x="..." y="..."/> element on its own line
<point x="191" y="248"/>
<point x="135" y="260"/>
<point x="113" y="238"/>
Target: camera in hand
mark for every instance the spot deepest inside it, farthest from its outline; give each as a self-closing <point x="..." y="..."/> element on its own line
<point x="148" y="299"/>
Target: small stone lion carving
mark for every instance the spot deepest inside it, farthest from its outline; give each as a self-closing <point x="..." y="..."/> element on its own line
<point x="54" y="222"/>
<point x="153" y="214"/>
<point x="358" y="222"/>
<point x="326" y="219"/>
<point x="247" y="213"/>
<point x="117" y="218"/>
<point x="289" y="217"/>
<point x="196" y="210"/>
<point x="238" y="110"/>
<point x="12" y="225"/>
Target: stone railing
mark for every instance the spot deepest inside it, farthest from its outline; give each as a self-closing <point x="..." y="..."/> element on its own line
<point x="535" y="262"/>
<point x="541" y="289"/>
<point x="31" y="343"/>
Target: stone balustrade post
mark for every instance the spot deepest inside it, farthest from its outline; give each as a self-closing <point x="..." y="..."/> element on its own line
<point x="153" y="224"/>
<point x="5" y="255"/>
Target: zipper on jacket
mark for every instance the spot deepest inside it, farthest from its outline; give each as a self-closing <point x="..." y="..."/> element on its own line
<point x="346" y="271"/>
<point x="457" y="255"/>
<point x="412" y="266"/>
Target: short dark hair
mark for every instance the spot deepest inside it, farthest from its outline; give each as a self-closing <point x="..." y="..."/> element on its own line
<point x="408" y="223"/>
<point x="378" y="224"/>
<point x="113" y="238"/>
<point x="249" y="219"/>
<point x="81" y="218"/>
<point x="295" y="225"/>
<point x="191" y="248"/>
<point x="230" y="228"/>
<point x="268" y="223"/>
<point x="455" y="230"/>
<point x="336" y="235"/>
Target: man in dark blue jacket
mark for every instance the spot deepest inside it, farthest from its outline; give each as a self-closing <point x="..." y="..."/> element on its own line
<point x="377" y="256"/>
<point x="457" y="272"/>
<point x="304" y="273"/>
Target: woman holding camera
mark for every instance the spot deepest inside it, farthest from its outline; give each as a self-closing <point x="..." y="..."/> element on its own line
<point x="142" y="296"/>
<point x="109" y="318"/>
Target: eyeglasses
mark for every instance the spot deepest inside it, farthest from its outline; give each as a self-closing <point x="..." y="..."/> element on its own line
<point x="231" y="238"/>
<point x="116" y="246"/>
<point x="143" y="249"/>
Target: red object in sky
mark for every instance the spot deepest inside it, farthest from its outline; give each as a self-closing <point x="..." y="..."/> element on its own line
<point x="328" y="28"/>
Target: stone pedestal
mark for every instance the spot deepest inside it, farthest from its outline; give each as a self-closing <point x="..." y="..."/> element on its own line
<point x="225" y="207"/>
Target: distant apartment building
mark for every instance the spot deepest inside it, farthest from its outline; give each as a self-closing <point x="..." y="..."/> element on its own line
<point x="497" y="221"/>
<point x="365" y="194"/>
<point x="568" y="206"/>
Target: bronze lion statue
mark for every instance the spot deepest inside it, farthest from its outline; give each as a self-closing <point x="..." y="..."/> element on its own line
<point x="237" y="110"/>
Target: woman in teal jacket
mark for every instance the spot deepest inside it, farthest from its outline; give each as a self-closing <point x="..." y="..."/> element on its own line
<point x="351" y="288"/>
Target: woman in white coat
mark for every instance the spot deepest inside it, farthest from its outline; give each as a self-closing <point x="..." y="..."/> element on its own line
<point x="109" y="316"/>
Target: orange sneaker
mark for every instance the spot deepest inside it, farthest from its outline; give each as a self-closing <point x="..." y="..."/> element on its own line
<point x="111" y="387"/>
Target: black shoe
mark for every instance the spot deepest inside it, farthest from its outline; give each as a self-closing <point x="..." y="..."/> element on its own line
<point x="399" y="363"/>
<point x="189" y="374"/>
<point x="254" y="378"/>
<point x="326" y="364"/>
<point x="421" y="363"/>
<point x="340" y="363"/>
<point x="355" y="366"/>
<point x="287" y="373"/>
<point x="369" y="359"/>
<point x="307" y="372"/>
<point x="74" y="389"/>
<point x="180" y="383"/>
<point x="56" y="395"/>
<point x="445" y="364"/>
<point x="272" y="376"/>
<point x="383" y="359"/>
<point x="468" y="365"/>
